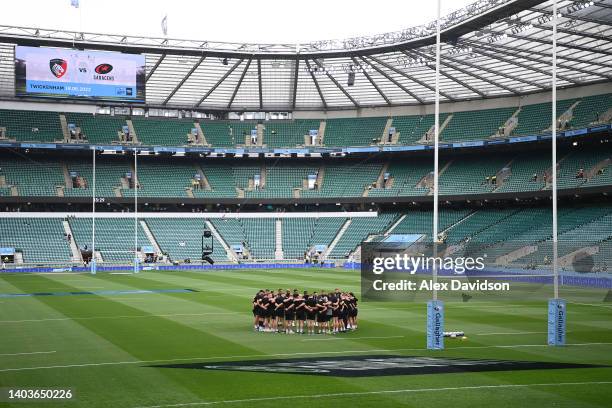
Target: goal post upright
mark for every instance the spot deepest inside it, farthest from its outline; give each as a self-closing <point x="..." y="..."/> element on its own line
<point x="435" y="307"/>
<point x="92" y="261"/>
<point x="556" y="306"/>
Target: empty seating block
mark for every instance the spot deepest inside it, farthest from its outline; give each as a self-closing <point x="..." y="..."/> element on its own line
<point x="523" y="168"/>
<point x="346" y="181"/>
<point x="475" y="125"/>
<point x="297" y="236"/>
<point x="158" y="178"/>
<point x="413" y="128"/>
<point x="231" y="230"/>
<point x="34" y="176"/>
<point x="98" y="128"/>
<point x="226" y="133"/>
<point x="280" y="133"/>
<point x="282" y="179"/>
<point x="358" y="231"/>
<point x="182" y="238"/>
<point x="353" y="131"/>
<point x="404" y="177"/>
<point x="577" y="160"/>
<point x="534" y="119"/>
<point x="167" y="132"/>
<point x="41" y="240"/>
<point x="220" y="179"/>
<point x="114" y="237"/>
<point x="468" y="176"/>
<point x="109" y="173"/>
<point x="421" y="222"/>
<point x="589" y="110"/>
<point x="260" y="235"/>
<point x="31" y="125"/>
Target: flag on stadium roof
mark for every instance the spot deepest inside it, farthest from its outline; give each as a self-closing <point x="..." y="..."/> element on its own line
<point x="164" y="25"/>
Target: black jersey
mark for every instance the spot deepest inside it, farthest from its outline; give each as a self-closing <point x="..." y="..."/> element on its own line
<point x="280" y="302"/>
<point x="311" y="302"/>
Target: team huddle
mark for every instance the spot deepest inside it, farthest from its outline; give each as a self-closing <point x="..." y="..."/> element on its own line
<point x="289" y="312"/>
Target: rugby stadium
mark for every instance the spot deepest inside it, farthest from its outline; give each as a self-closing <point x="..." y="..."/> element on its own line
<point x="415" y="218"/>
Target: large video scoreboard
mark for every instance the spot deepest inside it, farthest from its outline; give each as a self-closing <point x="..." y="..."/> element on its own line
<point x="76" y="74"/>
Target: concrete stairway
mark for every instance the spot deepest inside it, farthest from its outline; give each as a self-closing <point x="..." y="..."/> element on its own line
<point x="337" y="238"/>
<point x="150" y="236"/>
<point x="74" y="249"/>
<point x="278" y="251"/>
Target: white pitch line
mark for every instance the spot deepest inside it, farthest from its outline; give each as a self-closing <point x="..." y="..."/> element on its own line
<point x="509" y="333"/>
<point x="592" y="304"/>
<point x="364" y="393"/>
<point x="24" y="354"/>
<point x="354" y="338"/>
<point x="61" y="319"/>
<point x="278" y="355"/>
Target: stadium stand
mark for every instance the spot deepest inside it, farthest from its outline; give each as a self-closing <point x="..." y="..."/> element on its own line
<point x="182" y="239"/>
<point x="114" y="237"/>
<point x="32" y="177"/>
<point x="359" y="230"/>
<point x="169" y="132"/>
<point x="475" y="125"/>
<point x="464" y="125"/>
<point x="282" y="133"/>
<point x="97" y="128"/>
<point x="24" y="125"/>
<point x="354" y="131"/>
<point x="24" y="235"/>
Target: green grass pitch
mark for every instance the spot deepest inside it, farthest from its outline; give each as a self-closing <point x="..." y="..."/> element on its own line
<point x="102" y="346"/>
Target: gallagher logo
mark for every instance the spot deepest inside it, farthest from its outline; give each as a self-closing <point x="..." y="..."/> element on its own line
<point x="58" y="67"/>
<point x="103" y="69"/>
<point x="102" y="72"/>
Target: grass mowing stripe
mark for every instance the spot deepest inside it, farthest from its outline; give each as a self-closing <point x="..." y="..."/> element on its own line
<point x="354" y="394"/>
<point x="257" y="356"/>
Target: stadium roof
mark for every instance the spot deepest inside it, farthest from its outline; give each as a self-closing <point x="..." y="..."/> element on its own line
<point x="492" y="48"/>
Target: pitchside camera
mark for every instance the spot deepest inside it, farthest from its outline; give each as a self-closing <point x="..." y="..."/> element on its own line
<point x="207" y="246"/>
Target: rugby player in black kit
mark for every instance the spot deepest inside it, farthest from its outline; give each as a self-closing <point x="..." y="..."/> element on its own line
<point x="287" y="312"/>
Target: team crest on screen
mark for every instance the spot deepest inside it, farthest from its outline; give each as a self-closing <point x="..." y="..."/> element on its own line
<point x="103" y="69"/>
<point x="58" y="67"/>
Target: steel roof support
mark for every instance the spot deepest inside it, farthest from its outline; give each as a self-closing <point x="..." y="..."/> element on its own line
<point x="316" y="84"/>
<point x="246" y="68"/>
<point x="185" y="78"/>
<point x="219" y="82"/>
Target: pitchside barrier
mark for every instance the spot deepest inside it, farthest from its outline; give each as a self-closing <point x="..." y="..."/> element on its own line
<point x="154" y="267"/>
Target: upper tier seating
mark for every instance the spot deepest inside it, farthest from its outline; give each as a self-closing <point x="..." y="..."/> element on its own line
<point x="535" y="119"/>
<point x="168" y="132"/>
<point x="99" y="129"/>
<point x="413" y="128"/>
<point x="353" y="131"/>
<point x="281" y="133"/>
<point x="227" y="133"/>
<point x="475" y="125"/>
<point x="31" y="125"/>
<point x="32" y="178"/>
<point x="590" y="109"/>
<point x="360" y="131"/>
